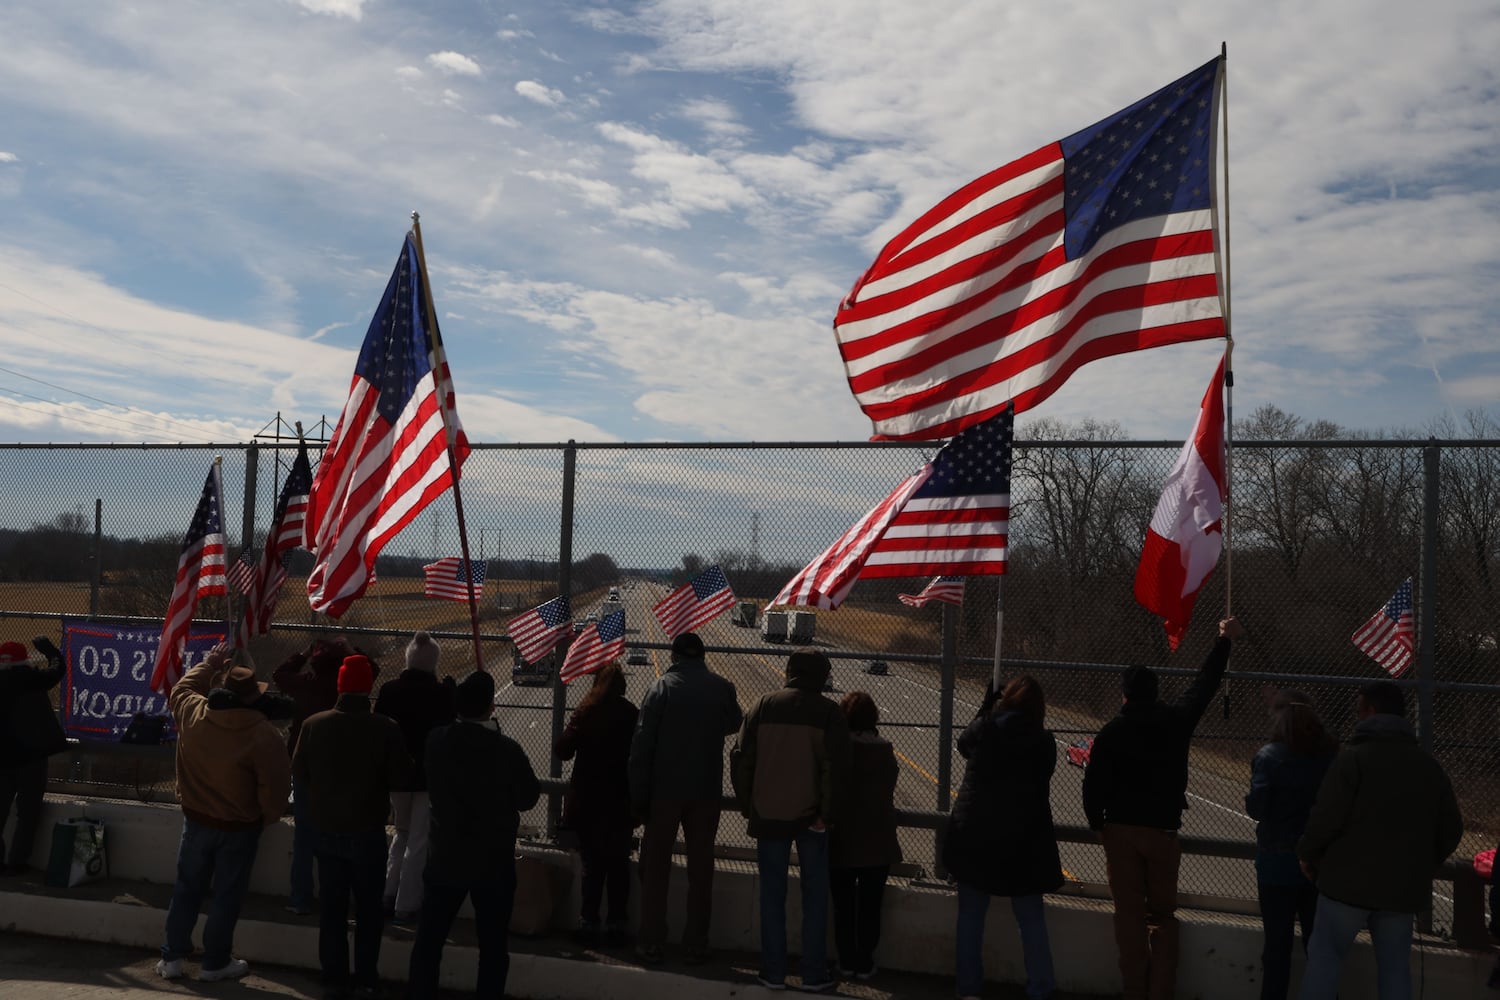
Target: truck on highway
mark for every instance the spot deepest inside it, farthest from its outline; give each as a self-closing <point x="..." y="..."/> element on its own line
<point x="773" y="626"/>
<point x="744" y="614"/>
<point x="801" y="626"/>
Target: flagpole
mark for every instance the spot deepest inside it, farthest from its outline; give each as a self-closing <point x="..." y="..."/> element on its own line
<point x="1226" y="306"/>
<point x="999" y="629"/>
<point x="228" y="599"/>
<point x="441" y="366"/>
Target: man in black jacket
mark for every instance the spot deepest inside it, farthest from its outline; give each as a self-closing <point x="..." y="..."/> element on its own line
<point x="479" y="782"/>
<point x="1134" y="792"/>
<point x="29" y="734"/>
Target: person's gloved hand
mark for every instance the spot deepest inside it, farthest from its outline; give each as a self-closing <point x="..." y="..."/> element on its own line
<point x="46" y="648"/>
<point x="990" y="697"/>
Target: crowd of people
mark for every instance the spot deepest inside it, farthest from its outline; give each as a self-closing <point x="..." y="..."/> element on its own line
<point x="1347" y="838"/>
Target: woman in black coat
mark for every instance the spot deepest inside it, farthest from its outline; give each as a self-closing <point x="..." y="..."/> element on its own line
<point x="597" y="805"/>
<point x="1000" y="840"/>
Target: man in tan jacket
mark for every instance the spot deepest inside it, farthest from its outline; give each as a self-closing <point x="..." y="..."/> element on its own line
<point x="233" y="778"/>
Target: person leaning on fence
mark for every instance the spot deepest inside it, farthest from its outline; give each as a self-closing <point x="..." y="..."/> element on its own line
<point x="1000" y="840"/>
<point x="864" y="846"/>
<point x="349" y="760"/>
<point x="1284" y="780"/>
<point x="480" y="782"/>
<point x="311" y="679"/>
<point x="419" y="703"/>
<point x="29" y="734"/>
<point x="791" y="765"/>
<point x="677" y="779"/>
<point x="1384" y="819"/>
<point x="1134" y="793"/>
<point x="233" y="779"/>
<point x="597" y="806"/>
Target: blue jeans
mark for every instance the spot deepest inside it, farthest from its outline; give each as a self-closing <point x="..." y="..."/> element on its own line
<point x="1036" y="949"/>
<point x="208" y="857"/>
<point x="773" y="856"/>
<point x="350" y="863"/>
<point x="1334" y="929"/>
<point x="304" y="836"/>
<point x="1281" y="907"/>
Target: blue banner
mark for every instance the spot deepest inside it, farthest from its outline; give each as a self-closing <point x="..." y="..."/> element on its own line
<point x="108" y="676"/>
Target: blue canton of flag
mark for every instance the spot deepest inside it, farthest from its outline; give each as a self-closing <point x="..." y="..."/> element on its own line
<point x="700" y="600"/>
<point x="1389" y="636"/>
<point x="538" y="631"/>
<point x="445" y="579"/>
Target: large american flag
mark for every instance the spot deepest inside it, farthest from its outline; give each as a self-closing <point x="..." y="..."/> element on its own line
<point x="538" y="631"/>
<point x="389" y="455"/>
<point x="942" y="589"/>
<point x="951" y="518"/>
<point x="596" y="645"/>
<point x="1096" y="245"/>
<point x="700" y="600"/>
<point x="1389" y="636"/>
<point x="445" y="579"/>
<point x="200" y="573"/>
<point x="285" y="533"/>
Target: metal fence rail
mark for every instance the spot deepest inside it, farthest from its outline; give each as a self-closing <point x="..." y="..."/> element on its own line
<point x="1321" y="534"/>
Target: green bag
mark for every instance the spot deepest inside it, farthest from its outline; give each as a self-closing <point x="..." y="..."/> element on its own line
<point x="78" y="853"/>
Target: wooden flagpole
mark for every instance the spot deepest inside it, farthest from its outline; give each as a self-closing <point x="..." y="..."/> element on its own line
<point x="228" y="597"/>
<point x="1225" y="306"/>
<point x="440" y="362"/>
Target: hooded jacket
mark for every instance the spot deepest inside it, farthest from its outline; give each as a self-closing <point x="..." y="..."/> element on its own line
<point x="29" y="729"/>
<point x="350" y="760"/>
<point x="792" y="756"/>
<point x="1384" y="819"/>
<point x="480" y="782"/>
<point x="232" y="768"/>
<point x="677" y="750"/>
<point x="314" y="691"/>
<point x="419" y="703"/>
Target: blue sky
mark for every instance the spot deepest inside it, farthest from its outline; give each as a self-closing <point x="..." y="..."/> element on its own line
<point x="640" y="217"/>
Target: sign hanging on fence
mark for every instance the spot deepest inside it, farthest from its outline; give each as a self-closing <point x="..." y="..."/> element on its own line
<point x="108" y="675"/>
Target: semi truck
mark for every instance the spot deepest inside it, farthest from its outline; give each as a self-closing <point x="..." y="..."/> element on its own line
<point x="744" y="614"/>
<point x="801" y="626"/>
<point x="773" y="626"/>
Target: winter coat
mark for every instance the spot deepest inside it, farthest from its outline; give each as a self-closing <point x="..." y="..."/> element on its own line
<point x="232" y="769"/>
<point x="677" y="751"/>
<point x="865" y="836"/>
<point x="29" y="729"/>
<point x="1000" y="837"/>
<point x="349" y="760"/>
<point x="1138" y="766"/>
<point x="599" y="736"/>
<point x="478" y="782"/>
<point x="1283" y="785"/>
<point x="1385" y="818"/>
<point x="791" y="760"/>
<point x="314" y="690"/>
<point x="419" y="703"/>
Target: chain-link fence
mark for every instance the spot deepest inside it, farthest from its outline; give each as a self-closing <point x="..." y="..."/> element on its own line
<point x="1321" y="533"/>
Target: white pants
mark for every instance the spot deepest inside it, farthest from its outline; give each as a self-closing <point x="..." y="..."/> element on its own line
<point x="408" y="856"/>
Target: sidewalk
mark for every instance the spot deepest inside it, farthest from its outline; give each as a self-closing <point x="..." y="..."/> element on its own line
<point x="118" y="926"/>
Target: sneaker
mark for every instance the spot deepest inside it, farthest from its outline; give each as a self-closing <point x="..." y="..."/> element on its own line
<point x="768" y="983"/>
<point x="300" y="909"/>
<point x="868" y="973"/>
<point x="236" y="969"/>
<point x="649" y="954"/>
<point x="169" y="970"/>
<point x="817" y="986"/>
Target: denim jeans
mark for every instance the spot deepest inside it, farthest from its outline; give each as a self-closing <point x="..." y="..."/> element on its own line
<point x="1334" y="930"/>
<point x="1281" y="907"/>
<point x="1036" y="949"/>
<point x="493" y="900"/>
<point x="773" y="856"/>
<point x="350" y="863"/>
<point x="209" y="857"/>
<point x="857" y="897"/>
<point x="304" y="836"/>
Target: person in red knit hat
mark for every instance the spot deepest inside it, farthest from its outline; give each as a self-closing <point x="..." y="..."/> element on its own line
<point x="349" y="759"/>
<point x="29" y="734"/>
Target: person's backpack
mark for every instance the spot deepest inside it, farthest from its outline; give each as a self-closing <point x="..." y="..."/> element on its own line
<point x="145" y="730"/>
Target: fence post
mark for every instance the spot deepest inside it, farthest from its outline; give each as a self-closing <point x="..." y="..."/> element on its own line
<point x="945" y="730"/>
<point x="98" y="570"/>
<point x="247" y="523"/>
<point x="565" y="588"/>
<point x="1426" y="607"/>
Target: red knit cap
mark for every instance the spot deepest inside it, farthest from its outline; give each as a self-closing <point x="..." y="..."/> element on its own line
<point x="13" y="652"/>
<point x="357" y="675"/>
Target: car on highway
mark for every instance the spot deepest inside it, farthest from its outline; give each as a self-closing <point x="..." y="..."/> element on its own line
<point x="523" y="674"/>
<point x="878" y="668"/>
<point x="637" y="657"/>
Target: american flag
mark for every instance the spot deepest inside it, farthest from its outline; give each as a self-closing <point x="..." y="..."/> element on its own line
<point x="285" y="533"/>
<point x="445" y="579"/>
<point x="537" y="632"/>
<point x="1388" y="637"/>
<point x="241" y="573"/>
<point x="200" y="573"/>
<point x="596" y="645"/>
<point x="700" y="600"/>
<point x="1096" y="245"/>
<point x="389" y="455"/>
<point x="951" y="518"/>
<point x="942" y="589"/>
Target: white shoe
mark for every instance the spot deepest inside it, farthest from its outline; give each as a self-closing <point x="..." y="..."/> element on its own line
<point x="236" y="969"/>
<point x="169" y="970"/>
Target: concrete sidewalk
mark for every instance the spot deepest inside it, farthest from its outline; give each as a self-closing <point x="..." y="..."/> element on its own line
<point x="100" y="939"/>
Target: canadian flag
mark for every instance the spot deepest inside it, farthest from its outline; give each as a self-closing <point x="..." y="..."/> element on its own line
<point x="1185" y="538"/>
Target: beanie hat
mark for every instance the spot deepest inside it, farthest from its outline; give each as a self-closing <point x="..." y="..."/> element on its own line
<point x="1139" y="684"/>
<point x="422" y="653"/>
<point x="357" y="675"/>
<point x="13" y="652"/>
<point x="475" y="696"/>
<point x="689" y="645"/>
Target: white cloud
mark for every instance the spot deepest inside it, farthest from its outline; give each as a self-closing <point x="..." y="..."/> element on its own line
<point x="352" y="9"/>
<point x="454" y="64"/>
<point x="541" y="94"/>
<point x="502" y="120"/>
<point x="718" y="118"/>
<point x="8" y="157"/>
<point x="409" y="73"/>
